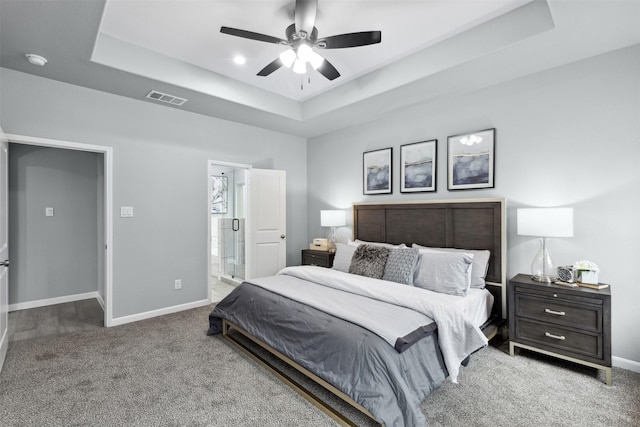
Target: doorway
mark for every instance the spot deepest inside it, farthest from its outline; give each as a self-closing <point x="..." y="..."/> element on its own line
<point x="247" y="225"/>
<point x="227" y="227"/>
<point x="103" y="212"/>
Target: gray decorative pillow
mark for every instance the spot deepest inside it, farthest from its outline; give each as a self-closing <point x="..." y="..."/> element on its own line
<point x="369" y="260"/>
<point x="444" y="272"/>
<point x="480" y="263"/>
<point x="401" y="265"/>
<point x="342" y="260"/>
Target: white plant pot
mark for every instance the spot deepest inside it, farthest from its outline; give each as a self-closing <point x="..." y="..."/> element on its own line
<point x="588" y="276"/>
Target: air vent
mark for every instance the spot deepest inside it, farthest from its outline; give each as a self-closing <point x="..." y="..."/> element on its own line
<point x="163" y="97"/>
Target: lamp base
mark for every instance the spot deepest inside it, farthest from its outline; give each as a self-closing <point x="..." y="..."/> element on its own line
<point x="543" y="279"/>
<point x="542" y="265"/>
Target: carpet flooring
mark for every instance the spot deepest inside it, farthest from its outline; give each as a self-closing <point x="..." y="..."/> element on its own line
<point x="167" y="372"/>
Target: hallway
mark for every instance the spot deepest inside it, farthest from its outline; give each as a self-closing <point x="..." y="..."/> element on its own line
<point x="59" y="319"/>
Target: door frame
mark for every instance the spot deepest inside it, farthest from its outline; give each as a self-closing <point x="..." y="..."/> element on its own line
<point x="108" y="204"/>
<point x="4" y="289"/>
<point x="210" y="164"/>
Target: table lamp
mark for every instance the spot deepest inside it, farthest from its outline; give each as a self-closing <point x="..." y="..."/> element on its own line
<point x="544" y="223"/>
<point x="333" y="219"/>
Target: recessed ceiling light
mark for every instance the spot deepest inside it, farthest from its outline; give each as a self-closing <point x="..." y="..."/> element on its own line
<point x="240" y="60"/>
<point x="36" y="59"/>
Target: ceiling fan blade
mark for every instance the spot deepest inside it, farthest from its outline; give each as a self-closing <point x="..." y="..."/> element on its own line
<point x="252" y="36"/>
<point x="328" y="70"/>
<point x="270" y="68"/>
<point x="305" y="16"/>
<point x="340" y="41"/>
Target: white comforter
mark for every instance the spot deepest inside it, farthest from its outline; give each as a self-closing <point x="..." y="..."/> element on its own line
<point x="458" y="336"/>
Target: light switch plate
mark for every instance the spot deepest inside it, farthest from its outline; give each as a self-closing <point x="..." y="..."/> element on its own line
<point x="48" y="211"/>
<point x="126" y="211"/>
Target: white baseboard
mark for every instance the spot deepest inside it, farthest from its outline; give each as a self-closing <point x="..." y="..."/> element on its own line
<point x="627" y="364"/>
<point x="4" y="345"/>
<point x="101" y="301"/>
<point x="52" y="301"/>
<point x="160" y="312"/>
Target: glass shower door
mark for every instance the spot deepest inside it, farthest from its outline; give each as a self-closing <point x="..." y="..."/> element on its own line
<point x="231" y="225"/>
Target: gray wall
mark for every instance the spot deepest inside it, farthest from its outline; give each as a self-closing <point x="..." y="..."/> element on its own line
<point x="565" y="137"/>
<point x="160" y="161"/>
<point x="52" y="256"/>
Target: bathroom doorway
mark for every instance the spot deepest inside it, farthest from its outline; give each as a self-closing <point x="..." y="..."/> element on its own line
<point x="247" y="223"/>
<point x="228" y="225"/>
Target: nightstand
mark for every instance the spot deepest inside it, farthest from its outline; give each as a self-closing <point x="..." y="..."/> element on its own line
<point x="319" y="258"/>
<point x="571" y="323"/>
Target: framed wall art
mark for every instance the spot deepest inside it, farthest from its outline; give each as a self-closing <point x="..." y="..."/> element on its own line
<point x="418" y="166"/>
<point x="376" y="171"/>
<point x="471" y="160"/>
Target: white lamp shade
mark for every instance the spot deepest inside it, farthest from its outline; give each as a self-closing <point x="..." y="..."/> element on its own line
<point x="545" y="222"/>
<point x="333" y="218"/>
<point x="288" y="57"/>
<point x="315" y="60"/>
<point x="299" y="66"/>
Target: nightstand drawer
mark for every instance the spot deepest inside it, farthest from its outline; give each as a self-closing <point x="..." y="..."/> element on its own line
<point x="587" y="317"/>
<point x="318" y="258"/>
<point x="559" y="339"/>
<point x="311" y="259"/>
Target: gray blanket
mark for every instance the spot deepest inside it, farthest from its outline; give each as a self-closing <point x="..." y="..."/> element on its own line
<point x="458" y="335"/>
<point x="397" y="325"/>
<point x="388" y="384"/>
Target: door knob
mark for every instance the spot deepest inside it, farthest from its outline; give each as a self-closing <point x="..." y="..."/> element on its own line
<point x="5" y="263"/>
<point x="282" y="236"/>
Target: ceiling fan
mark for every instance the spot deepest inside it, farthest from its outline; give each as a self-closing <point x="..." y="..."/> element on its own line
<point x="302" y="38"/>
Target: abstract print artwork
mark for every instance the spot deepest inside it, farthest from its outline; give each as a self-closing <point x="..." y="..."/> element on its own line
<point x="471" y="160"/>
<point x="219" y="194"/>
<point x="377" y="171"/>
<point x="418" y="166"/>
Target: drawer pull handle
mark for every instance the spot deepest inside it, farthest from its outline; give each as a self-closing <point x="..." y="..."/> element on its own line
<point x="558" y="313"/>
<point x="556" y="337"/>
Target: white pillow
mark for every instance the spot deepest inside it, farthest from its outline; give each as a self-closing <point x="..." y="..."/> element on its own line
<point x="444" y="272"/>
<point x="384" y="245"/>
<point x="342" y="259"/>
<point x="480" y="263"/>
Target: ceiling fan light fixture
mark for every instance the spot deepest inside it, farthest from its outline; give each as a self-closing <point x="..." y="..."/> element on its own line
<point x="299" y="66"/>
<point x="315" y="60"/>
<point x="288" y="57"/>
<point x="302" y="39"/>
<point x="304" y="52"/>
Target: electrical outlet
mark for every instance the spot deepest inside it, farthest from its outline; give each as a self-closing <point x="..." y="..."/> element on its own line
<point x="178" y="284"/>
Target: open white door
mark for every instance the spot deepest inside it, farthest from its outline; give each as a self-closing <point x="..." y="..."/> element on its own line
<point x="4" y="246"/>
<point x="268" y="222"/>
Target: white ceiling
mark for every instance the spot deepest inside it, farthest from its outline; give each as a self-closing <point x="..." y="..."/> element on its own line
<point x="189" y="31"/>
<point x="431" y="49"/>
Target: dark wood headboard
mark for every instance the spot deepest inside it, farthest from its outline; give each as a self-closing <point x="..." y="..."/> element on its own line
<point x="464" y="224"/>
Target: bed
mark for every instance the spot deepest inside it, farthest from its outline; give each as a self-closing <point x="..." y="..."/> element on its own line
<point x="379" y="345"/>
